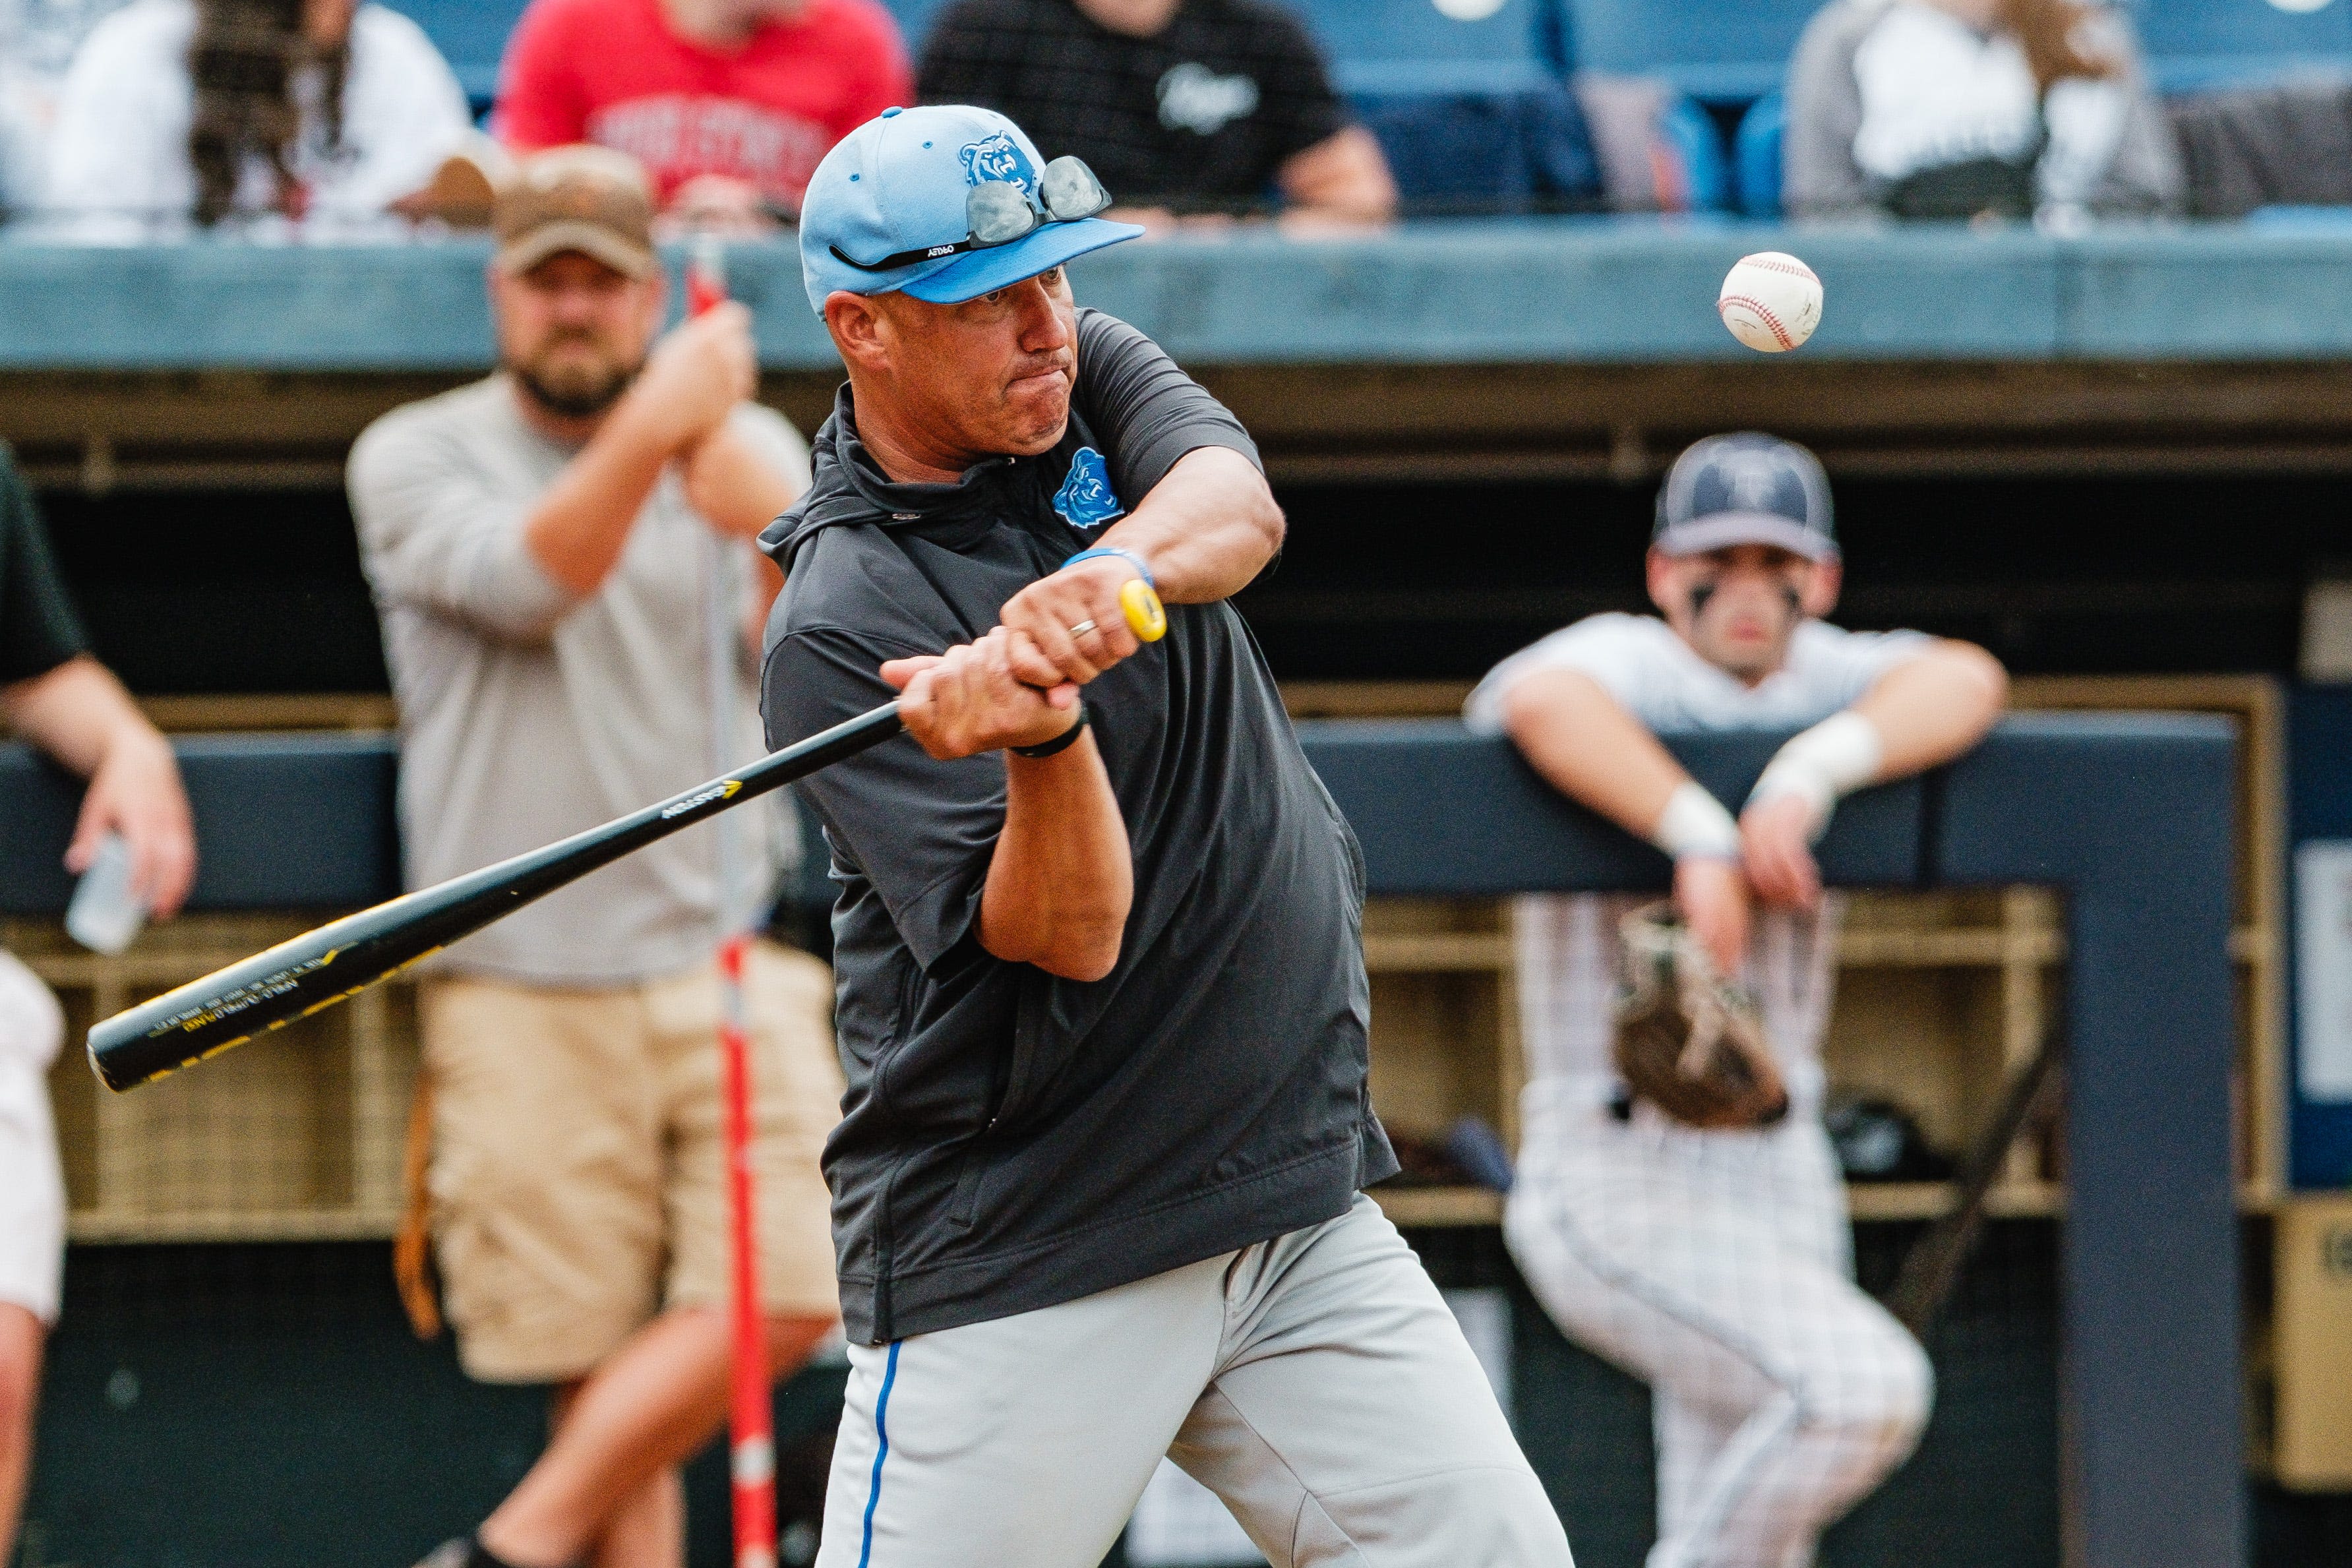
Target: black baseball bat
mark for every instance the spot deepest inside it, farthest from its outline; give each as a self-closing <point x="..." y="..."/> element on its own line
<point x="1933" y="1265"/>
<point x="322" y="967"/>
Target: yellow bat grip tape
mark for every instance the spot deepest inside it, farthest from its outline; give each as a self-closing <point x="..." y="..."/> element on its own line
<point x="1147" y="617"/>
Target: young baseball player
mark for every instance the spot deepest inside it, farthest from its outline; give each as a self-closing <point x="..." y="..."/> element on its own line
<point x="1096" y="1190"/>
<point x="1716" y="1265"/>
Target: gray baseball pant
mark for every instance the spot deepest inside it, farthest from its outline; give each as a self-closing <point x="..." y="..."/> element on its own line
<point x="1316" y="1382"/>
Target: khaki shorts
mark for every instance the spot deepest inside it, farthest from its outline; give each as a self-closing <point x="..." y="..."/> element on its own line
<point x="578" y="1174"/>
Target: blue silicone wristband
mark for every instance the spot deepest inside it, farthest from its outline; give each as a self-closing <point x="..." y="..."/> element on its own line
<point x="1129" y="556"/>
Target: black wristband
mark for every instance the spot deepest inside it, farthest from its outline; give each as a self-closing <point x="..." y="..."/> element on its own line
<point x="1059" y="743"/>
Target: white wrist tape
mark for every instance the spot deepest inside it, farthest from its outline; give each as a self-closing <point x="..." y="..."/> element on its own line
<point x="1696" y="826"/>
<point x="1833" y="759"/>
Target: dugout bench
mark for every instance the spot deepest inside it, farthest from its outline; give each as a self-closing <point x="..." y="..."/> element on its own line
<point x="2130" y="818"/>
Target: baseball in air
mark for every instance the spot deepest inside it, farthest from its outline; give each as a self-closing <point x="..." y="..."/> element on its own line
<point x="1771" y="302"/>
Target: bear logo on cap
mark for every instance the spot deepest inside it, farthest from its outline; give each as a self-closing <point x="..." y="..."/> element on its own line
<point x="997" y="157"/>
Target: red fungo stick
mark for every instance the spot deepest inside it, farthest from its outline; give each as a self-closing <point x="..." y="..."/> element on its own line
<point x="751" y="1437"/>
<point x="750" y="1440"/>
<point x="706" y="274"/>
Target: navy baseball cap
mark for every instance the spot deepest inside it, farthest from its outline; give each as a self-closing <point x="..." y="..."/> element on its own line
<point x="1746" y="489"/>
<point x="899" y="183"/>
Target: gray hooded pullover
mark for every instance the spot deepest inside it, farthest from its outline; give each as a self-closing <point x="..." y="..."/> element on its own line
<point x="1010" y="1140"/>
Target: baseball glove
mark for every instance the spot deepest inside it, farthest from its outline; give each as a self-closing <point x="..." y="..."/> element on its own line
<point x="1687" y="1041"/>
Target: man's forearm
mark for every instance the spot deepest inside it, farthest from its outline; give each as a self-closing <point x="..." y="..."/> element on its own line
<point x="1062" y="878"/>
<point x="1207" y="529"/>
<point x="1929" y="709"/>
<point x="1590" y="749"/>
<point x="735" y="485"/>
<point x="1923" y="711"/>
<point x="76" y="712"/>
<point x="1344" y="177"/>
<point x="581" y="524"/>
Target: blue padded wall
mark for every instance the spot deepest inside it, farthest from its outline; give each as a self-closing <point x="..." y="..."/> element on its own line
<point x="300" y="820"/>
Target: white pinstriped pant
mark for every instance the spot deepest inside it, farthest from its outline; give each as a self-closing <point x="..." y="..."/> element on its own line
<point x="1717" y="1267"/>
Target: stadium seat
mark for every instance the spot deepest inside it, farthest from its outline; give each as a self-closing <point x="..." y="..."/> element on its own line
<point x="1658" y="149"/>
<point x="1486" y="153"/>
<point x="1392" y="46"/>
<point x="2209" y="43"/>
<point x="1465" y="96"/>
<point x="1755" y="156"/>
<point x="1706" y="174"/>
<point x="1721" y="50"/>
<point x="1433" y="46"/>
<point x="471" y="36"/>
<point x="914" y="19"/>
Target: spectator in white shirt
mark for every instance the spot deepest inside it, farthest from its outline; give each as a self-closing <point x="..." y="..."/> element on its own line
<point x="1960" y="108"/>
<point x="38" y="40"/>
<point x="274" y="116"/>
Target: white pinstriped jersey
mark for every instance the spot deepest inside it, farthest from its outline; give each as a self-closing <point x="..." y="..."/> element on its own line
<point x="1568" y="947"/>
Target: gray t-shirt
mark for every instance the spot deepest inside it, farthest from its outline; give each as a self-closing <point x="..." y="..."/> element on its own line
<point x="529" y="713"/>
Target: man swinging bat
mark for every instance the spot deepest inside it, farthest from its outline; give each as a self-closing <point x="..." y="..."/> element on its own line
<point x="1097" y="1191"/>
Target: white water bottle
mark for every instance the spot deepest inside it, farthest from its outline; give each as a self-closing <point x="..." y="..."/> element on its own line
<point x="105" y="913"/>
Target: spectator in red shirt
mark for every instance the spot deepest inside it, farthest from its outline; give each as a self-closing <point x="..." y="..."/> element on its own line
<point x="728" y="103"/>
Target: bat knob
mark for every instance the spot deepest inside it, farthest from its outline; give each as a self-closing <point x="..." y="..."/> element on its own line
<point x="1147" y="617"/>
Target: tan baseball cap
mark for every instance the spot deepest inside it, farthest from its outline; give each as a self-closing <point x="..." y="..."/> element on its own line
<point x="590" y="199"/>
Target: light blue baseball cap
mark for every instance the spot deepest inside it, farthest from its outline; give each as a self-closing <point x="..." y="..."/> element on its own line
<point x="900" y="183"/>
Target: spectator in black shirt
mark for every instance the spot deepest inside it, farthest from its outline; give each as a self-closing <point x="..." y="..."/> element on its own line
<point x="64" y="701"/>
<point x="1183" y="107"/>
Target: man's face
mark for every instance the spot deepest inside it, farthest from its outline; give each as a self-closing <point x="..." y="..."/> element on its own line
<point x="327" y="23"/>
<point x="574" y="333"/>
<point x="748" y="17"/>
<point x="990" y="377"/>
<point x="1738" y="607"/>
<point x="1136" y="18"/>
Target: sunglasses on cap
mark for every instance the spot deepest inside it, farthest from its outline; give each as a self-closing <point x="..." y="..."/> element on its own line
<point x="1000" y="212"/>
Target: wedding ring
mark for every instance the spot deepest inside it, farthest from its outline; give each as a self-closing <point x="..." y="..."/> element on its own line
<point x="1081" y="629"/>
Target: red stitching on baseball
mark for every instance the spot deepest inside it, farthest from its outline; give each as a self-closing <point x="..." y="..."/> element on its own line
<point x="1763" y="313"/>
<point x="1792" y="267"/>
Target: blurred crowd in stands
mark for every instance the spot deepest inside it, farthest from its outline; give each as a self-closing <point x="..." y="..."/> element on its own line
<point x="125" y="120"/>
